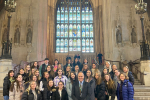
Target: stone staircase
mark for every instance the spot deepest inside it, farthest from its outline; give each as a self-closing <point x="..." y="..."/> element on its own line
<point x="141" y="92"/>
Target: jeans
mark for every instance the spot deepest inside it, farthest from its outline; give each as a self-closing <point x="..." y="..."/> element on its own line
<point x="6" y="97"/>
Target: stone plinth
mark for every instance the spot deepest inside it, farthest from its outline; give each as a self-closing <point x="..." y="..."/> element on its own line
<point x="5" y="66"/>
<point x="145" y="68"/>
<point x="146" y="78"/>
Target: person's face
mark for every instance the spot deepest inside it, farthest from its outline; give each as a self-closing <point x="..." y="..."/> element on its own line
<point x="28" y="67"/>
<point x="33" y="70"/>
<point x="122" y="77"/>
<point x="80" y="77"/>
<point x="48" y="68"/>
<point x="68" y="69"/>
<point x="59" y="66"/>
<point x="37" y="73"/>
<point x="69" y="61"/>
<point x="33" y="85"/>
<point x="72" y="75"/>
<point x="76" y="68"/>
<point x="107" y="64"/>
<point x="46" y="75"/>
<point x="19" y="78"/>
<point x="96" y="76"/>
<point x="85" y="60"/>
<point x="107" y="78"/>
<point x="34" y="78"/>
<point x="85" y="67"/>
<point x="76" y="60"/>
<point x="93" y="66"/>
<point x="59" y="72"/>
<point x="50" y="83"/>
<point x="125" y="69"/>
<point x="11" y="74"/>
<point x="105" y="71"/>
<point x="35" y="63"/>
<point x="60" y="85"/>
<point x="21" y="71"/>
<point x="117" y="73"/>
<point x="88" y="73"/>
<point x="56" y="62"/>
<point x="114" y="67"/>
<point x="46" y="61"/>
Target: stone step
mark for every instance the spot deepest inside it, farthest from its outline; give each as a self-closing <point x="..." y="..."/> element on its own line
<point x="137" y="83"/>
<point x="142" y="93"/>
<point x="141" y="88"/>
<point x="141" y="97"/>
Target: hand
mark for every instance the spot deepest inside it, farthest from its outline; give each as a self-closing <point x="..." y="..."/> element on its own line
<point x="105" y="92"/>
<point x="95" y="98"/>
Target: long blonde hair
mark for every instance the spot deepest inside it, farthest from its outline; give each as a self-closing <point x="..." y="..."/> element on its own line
<point x="25" y="69"/>
<point x="111" y="84"/>
<point x="99" y="80"/>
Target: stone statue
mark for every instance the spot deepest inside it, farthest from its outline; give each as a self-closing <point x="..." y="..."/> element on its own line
<point x="133" y="36"/>
<point x="4" y="39"/>
<point x="29" y="36"/>
<point x="119" y="35"/>
<point x="148" y="35"/>
<point x="17" y="36"/>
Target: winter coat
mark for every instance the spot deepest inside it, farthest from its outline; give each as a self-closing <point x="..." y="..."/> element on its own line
<point x="112" y="74"/>
<point x="49" y="94"/>
<point x="110" y="92"/>
<point x="64" y="95"/>
<point x="69" y="88"/>
<point x="100" y="91"/>
<point x="28" y="95"/>
<point x="92" y="85"/>
<point x="127" y="90"/>
<point x="16" y="94"/>
<point x="131" y="78"/>
<point x="6" y="86"/>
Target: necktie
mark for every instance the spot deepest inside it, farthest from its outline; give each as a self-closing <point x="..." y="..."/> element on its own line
<point x="80" y="87"/>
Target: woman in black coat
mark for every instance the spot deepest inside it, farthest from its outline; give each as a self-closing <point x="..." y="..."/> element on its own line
<point x="110" y="91"/>
<point x="48" y="93"/>
<point x="100" y="87"/>
<point x="7" y="83"/>
<point x="61" y="93"/>
<point x="31" y="93"/>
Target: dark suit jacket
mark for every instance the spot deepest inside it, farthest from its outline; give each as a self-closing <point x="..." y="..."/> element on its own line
<point x="86" y="91"/>
<point x="56" y="95"/>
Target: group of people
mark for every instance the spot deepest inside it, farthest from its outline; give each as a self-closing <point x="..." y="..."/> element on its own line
<point x="73" y="81"/>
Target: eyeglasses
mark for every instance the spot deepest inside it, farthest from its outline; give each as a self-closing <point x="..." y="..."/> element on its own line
<point x="60" y="84"/>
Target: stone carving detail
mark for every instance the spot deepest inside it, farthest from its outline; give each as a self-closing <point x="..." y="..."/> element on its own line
<point x="29" y="36"/>
<point x="17" y="36"/>
<point x="119" y="35"/>
<point x="133" y="36"/>
<point x="132" y="27"/>
<point x="29" y="25"/>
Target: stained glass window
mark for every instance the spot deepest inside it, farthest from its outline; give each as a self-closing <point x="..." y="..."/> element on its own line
<point x="74" y="26"/>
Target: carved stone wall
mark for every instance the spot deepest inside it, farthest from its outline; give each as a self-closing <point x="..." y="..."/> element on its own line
<point x="41" y="17"/>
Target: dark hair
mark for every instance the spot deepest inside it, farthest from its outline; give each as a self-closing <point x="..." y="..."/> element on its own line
<point x="61" y="82"/>
<point x="36" y="79"/>
<point x="57" y="61"/>
<point x="58" y="70"/>
<point x="34" y="66"/>
<point x="71" y="77"/>
<point x="21" y="69"/>
<point x="12" y="85"/>
<point x="86" y="77"/>
<point x="111" y="84"/>
<point x="10" y="71"/>
<point x="51" y="74"/>
<point x="50" y="88"/>
<point x="84" y="62"/>
<point x="102" y="75"/>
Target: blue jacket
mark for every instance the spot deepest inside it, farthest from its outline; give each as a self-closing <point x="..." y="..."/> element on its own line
<point x="127" y="90"/>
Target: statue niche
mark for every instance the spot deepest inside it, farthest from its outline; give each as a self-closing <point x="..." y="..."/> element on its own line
<point x="148" y="35"/>
<point x="133" y="36"/>
<point x="4" y="38"/>
<point x="119" y="35"/>
<point x="17" y="36"/>
<point x="29" y="36"/>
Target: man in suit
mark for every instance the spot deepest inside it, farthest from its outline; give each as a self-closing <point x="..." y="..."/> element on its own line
<point x="81" y="89"/>
<point x="43" y="67"/>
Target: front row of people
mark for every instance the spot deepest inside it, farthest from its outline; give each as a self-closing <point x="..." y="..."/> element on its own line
<point x="77" y="87"/>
